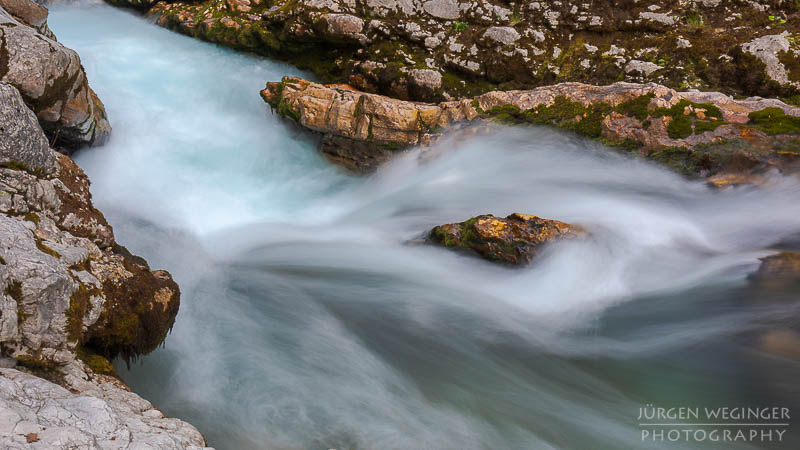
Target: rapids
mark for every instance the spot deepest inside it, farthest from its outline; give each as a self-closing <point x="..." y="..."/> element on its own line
<point x="310" y="319"/>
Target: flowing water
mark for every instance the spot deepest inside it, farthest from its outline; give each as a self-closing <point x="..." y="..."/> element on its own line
<point x="309" y="320"/>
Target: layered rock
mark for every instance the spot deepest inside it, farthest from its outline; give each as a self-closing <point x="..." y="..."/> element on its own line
<point x="361" y="130"/>
<point x="516" y="240"/>
<point x="473" y="46"/>
<point x="50" y="78"/>
<point x="71" y="299"/>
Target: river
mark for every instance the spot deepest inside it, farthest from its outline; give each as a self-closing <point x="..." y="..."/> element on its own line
<point x="310" y="319"/>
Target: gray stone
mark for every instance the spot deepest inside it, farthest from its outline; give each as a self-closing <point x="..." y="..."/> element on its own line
<point x="97" y="413"/>
<point x="442" y="9"/>
<point x="38" y="67"/>
<point x="766" y="49"/>
<point x="502" y="35"/>
<point x="21" y="138"/>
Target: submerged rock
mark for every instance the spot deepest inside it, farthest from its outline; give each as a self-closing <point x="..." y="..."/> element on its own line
<point x="50" y="78"/>
<point x="691" y="132"/>
<point x="517" y="239"/>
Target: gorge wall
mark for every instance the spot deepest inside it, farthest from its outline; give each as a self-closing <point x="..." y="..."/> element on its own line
<point x="71" y="297"/>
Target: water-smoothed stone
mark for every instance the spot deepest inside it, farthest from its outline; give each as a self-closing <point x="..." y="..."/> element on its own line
<point x="517" y="239"/>
<point x="679" y="129"/>
<point x="51" y="80"/>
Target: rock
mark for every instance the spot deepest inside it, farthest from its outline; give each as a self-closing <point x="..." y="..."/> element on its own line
<point x="65" y="281"/>
<point x="51" y="80"/>
<point x="424" y="83"/>
<point x="768" y="50"/>
<point x="493" y="45"/>
<point x="442" y="9"/>
<point x="649" y="116"/>
<point x="71" y="297"/>
<point x="21" y="137"/>
<point x="27" y="12"/>
<point x="517" y="240"/>
<point x="343" y="27"/>
<point x="502" y="35"/>
<point x="96" y="412"/>
<point x="783" y="267"/>
<point x="643" y="67"/>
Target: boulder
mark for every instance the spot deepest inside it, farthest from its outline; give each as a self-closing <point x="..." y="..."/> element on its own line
<point x="707" y="134"/>
<point x="52" y="82"/>
<point x="515" y="240"/>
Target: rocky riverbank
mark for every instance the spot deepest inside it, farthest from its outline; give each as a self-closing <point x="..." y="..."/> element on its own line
<point x="436" y="50"/>
<point x="71" y="297"/>
<point x="697" y="133"/>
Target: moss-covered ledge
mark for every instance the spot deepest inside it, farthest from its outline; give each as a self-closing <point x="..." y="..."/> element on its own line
<point x="705" y="134"/>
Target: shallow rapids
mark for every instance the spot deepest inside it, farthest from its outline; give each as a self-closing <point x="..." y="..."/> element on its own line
<point x="310" y="318"/>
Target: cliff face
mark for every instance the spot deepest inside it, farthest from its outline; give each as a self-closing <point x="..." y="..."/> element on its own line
<point x="698" y="133"/>
<point x="71" y="297"/>
<point x="50" y="78"/>
<point x="434" y="50"/>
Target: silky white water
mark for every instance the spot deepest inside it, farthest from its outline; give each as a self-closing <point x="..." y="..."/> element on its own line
<point x="310" y="318"/>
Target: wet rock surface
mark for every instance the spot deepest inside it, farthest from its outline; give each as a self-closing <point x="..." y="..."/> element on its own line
<point x="706" y="134"/>
<point x="515" y="240"/>
<point x="49" y="77"/>
<point x="736" y="47"/>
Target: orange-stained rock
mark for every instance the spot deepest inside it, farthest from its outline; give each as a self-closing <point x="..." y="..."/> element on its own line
<point x="360" y="123"/>
<point x="516" y="239"/>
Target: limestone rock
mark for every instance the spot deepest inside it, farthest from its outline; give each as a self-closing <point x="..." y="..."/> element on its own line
<point x="768" y="49"/>
<point x="51" y="80"/>
<point x="502" y="35"/>
<point x="442" y="9"/>
<point x="517" y="239"/>
<point x="649" y="116"/>
<point x="496" y="45"/>
<point x="96" y="412"/>
<point x="21" y="137"/>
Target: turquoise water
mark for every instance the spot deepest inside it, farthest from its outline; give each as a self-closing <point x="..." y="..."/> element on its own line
<point x="308" y="320"/>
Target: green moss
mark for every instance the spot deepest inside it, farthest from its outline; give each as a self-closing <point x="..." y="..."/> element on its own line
<point x="636" y="107"/>
<point x="460" y="26"/>
<point x="14" y="290"/>
<point x="359" y="106"/>
<point x="97" y="363"/>
<point x="42" y="368"/>
<point x="14" y="165"/>
<point x="773" y="120"/>
<point x="702" y="127"/>
<point x="31" y="216"/>
<point x="679" y="127"/>
<point x="22" y="316"/>
<point x="45" y="249"/>
<point x="687" y="161"/>
<point x="79" y="303"/>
